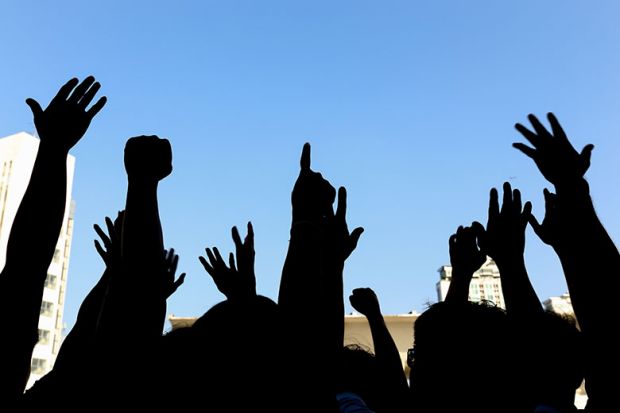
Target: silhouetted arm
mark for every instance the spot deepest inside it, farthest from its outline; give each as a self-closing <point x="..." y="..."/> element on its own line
<point x="143" y="283"/>
<point x="338" y="244"/>
<point x="504" y="241"/>
<point x="37" y="225"/>
<point x="585" y="250"/>
<point x="312" y="200"/>
<point x="571" y="226"/>
<point x="394" y="381"/>
<point x="466" y="259"/>
<point x="79" y="343"/>
<point x="302" y="289"/>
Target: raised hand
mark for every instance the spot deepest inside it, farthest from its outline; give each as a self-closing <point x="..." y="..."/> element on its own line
<point x="148" y="158"/>
<point x="340" y="242"/>
<point x="235" y="283"/>
<point x="65" y="120"/>
<point x="171" y="262"/>
<point x="505" y="233"/>
<point x="312" y="196"/>
<point x="465" y="256"/>
<point x="552" y="152"/>
<point x="365" y="301"/>
<point x="110" y="252"/>
<point x="549" y="230"/>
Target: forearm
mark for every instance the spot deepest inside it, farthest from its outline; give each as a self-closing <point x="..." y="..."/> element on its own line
<point x="79" y="340"/>
<point x="303" y="306"/>
<point x="142" y="240"/>
<point x="519" y="294"/>
<point x="332" y="289"/>
<point x="586" y="251"/>
<point x="584" y="248"/>
<point x="137" y="288"/>
<point x="458" y="291"/>
<point x="389" y="358"/>
<point x="298" y="285"/>
<point x="38" y="221"/>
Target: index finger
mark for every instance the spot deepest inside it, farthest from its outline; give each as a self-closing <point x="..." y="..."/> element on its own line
<point x="341" y="210"/>
<point x="305" y="157"/>
<point x="493" y="204"/>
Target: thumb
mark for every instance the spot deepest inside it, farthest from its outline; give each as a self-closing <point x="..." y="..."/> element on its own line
<point x="585" y="156"/>
<point x="355" y="237"/>
<point x="538" y="229"/>
<point x="34" y="107"/>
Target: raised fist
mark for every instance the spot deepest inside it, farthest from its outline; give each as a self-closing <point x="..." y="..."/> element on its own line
<point x="148" y="157"/>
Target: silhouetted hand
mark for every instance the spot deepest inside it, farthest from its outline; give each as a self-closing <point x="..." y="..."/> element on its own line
<point x="465" y="256"/>
<point x="549" y="230"/>
<point x="505" y="233"/>
<point x="235" y="283"/>
<point x="312" y="196"/>
<point x="365" y="301"/>
<point x="148" y="158"/>
<point x="554" y="155"/>
<point x="171" y="261"/>
<point x="110" y="252"/>
<point x="339" y="241"/>
<point x="65" y="120"/>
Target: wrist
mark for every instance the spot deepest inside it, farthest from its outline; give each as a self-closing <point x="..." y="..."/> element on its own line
<point x="304" y="229"/>
<point x="509" y="261"/>
<point x="572" y="187"/>
<point x="48" y="148"/>
<point x="142" y="180"/>
<point x="374" y="318"/>
<point x="461" y="277"/>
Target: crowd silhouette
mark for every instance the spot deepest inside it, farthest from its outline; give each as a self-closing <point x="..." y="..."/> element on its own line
<point x="249" y="353"/>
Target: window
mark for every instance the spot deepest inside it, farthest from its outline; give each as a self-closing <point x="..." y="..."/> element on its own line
<point x="44" y="336"/>
<point x="50" y="281"/>
<point x="38" y="366"/>
<point x="56" y="255"/>
<point x="47" y="308"/>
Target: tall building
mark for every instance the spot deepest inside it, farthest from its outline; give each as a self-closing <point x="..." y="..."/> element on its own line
<point x="560" y="305"/>
<point x="17" y="156"/>
<point x="485" y="284"/>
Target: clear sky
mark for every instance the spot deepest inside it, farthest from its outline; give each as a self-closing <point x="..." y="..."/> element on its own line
<point x="409" y="104"/>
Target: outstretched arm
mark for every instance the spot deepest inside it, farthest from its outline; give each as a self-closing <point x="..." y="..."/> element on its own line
<point x="393" y="377"/>
<point x="304" y="289"/>
<point x="143" y="284"/>
<point x="337" y="245"/>
<point x="585" y="249"/>
<point x="37" y="224"/>
<point x="571" y="226"/>
<point x="312" y="200"/>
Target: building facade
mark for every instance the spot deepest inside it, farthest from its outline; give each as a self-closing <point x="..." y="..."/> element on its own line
<point x="560" y="305"/>
<point x="485" y="285"/>
<point x="17" y="156"/>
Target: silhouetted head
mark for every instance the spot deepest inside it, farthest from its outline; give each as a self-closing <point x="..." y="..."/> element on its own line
<point x="240" y="355"/>
<point x="358" y="373"/>
<point x="461" y="359"/>
<point x="557" y="365"/>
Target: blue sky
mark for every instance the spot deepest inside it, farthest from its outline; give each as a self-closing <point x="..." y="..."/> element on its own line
<point x="410" y="105"/>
